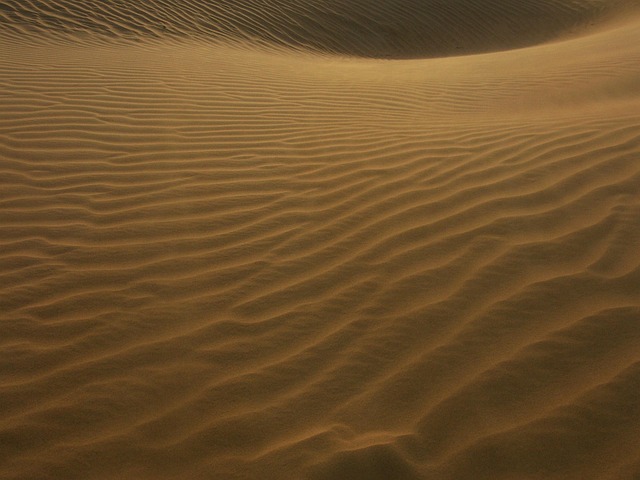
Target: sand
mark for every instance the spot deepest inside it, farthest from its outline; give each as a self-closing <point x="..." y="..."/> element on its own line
<point x="324" y="240"/>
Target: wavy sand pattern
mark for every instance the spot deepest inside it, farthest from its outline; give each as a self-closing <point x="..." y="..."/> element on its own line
<point x="281" y="240"/>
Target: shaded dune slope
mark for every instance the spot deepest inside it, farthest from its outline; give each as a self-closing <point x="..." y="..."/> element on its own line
<point x="222" y="262"/>
<point x="368" y="28"/>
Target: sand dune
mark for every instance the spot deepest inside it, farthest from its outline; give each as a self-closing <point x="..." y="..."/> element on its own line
<point x="369" y="28"/>
<point x="280" y="240"/>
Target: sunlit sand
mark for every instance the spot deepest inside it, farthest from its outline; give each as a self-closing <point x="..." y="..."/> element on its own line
<point x="390" y="239"/>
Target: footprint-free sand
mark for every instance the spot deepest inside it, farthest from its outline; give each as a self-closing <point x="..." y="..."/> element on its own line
<point x="324" y="240"/>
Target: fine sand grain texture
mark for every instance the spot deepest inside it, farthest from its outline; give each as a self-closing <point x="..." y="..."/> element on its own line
<point x="322" y="240"/>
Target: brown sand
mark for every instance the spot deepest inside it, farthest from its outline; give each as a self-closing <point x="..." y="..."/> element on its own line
<point x="390" y="239"/>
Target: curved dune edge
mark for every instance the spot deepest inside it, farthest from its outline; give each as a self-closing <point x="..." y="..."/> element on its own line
<point x="223" y="262"/>
<point x="361" y="28"/>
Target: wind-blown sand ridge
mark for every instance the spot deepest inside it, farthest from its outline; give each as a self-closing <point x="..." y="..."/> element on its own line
<point x="283" y="240"/>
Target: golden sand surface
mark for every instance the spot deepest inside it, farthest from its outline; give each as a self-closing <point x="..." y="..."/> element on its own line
<point x="323" y="240"/>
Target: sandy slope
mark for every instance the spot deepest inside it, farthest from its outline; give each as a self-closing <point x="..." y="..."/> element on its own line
<point x="235" y="246"/>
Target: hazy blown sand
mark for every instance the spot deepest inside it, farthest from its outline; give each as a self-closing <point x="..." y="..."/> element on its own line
<point x="282" y="240"/>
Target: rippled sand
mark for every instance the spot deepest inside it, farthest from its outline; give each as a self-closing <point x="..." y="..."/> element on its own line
<point x="331" y="240"/>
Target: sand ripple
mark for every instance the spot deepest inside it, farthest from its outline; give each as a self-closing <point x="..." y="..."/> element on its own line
<point x="367" y="28"/>
<point x="219" y="261"/>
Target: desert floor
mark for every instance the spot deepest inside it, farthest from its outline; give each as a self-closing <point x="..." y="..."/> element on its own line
<point x="325" y="240"/>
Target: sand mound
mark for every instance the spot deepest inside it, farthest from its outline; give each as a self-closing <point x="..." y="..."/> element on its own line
<point x="220" y="261"/>
<point x="365" y="28"/>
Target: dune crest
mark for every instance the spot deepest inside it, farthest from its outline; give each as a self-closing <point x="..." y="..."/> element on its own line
<point x="361" y="28"/>
<point x="225" y="261"/>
